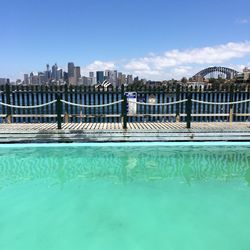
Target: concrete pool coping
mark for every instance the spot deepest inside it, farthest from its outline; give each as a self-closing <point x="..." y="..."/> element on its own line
<point x="137" y="132"/>
<point x="124" y="144"/>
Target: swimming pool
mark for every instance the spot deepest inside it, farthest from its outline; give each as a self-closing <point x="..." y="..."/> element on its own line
<point x="125" y="196"/>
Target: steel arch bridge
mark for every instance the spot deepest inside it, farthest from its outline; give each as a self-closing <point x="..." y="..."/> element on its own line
<point x="230" y="73"/>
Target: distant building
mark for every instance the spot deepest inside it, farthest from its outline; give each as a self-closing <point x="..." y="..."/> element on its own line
<point x="87" y="81"/>
<point x="136" y="79"/>
<point x="71" y="73"/>
<point x="18" y="81"/>
<point x="111" y="76"/>
<point x="130" y="79"/>
<point x="65" y="76"/>
<point x="34" y="79"/>
<point x="47" y="73"/>
<point x="26" y="79"/>
<point x="99" y="76"/>
<point x="3" y="81"/>
<point x="54" y="72"/>
<point x="71" y="69"/>
<point x="77" y="74"/>
<point x="121" y="79"/>
<point x="246" y="74"/>
<point x="42" y="79"/>
<point x="59" y="74"/>
<point x="91" y="74"/>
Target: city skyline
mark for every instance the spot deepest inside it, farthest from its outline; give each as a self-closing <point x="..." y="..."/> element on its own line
<point x="156" y="40"/>
<point x="72" y="75"/>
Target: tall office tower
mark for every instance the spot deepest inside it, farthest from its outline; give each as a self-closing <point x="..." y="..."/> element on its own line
<point x="77" y="74"/>
<point x="99" y="76"/>
<point x="91" y="79"/>
<point x="119" y="78"/>
<point x="48" y="73"/>
<point x="65" y="76"/>
<point x="71" y="73"/>
<point x="111" y="76"/>
<point x="54" y="72"/>
<point x="129" y="79"/>
<point x="31" y="77"/>
<point x="59" y="74"/>
<point x="71" y="69"/>
<point x="26" y="79"/>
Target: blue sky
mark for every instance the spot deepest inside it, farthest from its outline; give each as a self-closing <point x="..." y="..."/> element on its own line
<point x="156" y="39"/>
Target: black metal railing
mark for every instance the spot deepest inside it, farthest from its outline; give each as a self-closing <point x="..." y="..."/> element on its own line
<point x="91" y="108"/>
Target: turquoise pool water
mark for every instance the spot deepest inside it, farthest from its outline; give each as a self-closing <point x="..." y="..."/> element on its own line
<point x="125" y="196"/>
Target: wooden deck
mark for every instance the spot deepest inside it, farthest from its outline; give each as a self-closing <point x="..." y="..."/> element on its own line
<point x="105" y="132"/>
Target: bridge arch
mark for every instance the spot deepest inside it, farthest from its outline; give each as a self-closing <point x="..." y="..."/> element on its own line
<point x="230" y="73"/>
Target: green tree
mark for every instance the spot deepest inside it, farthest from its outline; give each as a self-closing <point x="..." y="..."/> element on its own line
<point x="184" y="80"/>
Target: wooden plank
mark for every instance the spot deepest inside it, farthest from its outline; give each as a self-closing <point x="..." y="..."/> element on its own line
<point x="134" y="126"/>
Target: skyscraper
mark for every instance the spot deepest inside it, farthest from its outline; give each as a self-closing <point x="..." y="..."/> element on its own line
<point x="71" y="69"/>
<point x="65" y="76"/>
<point x="77" y="73"/>
<point x="71" y="73"/>
<point x="26" y="79"/>
<point x="59" y="74"/>
<point x="99" y="76"/>
<point x="111" y="76"/>
<point x="48" y="73"/>
<point x="54" y="72"/>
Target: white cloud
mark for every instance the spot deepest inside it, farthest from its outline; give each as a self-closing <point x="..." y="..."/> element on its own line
<point x="174" y="60"/>
<point x="145" y="73"/>
<point x="182" y="70"/>
<point x="98" y="65"/>
<point x="176" y="63"/>
<point x="137" y="65"/>
<point x="206" y="55"/>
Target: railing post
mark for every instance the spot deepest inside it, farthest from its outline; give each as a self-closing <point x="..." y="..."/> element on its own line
<point x="66" y="115"/>
<point x="231" y="98"/>
<point x="8" y="101"/>
<point x="188" y="110"/>
<point x="124" y="112"/>
<point x="59" y="111"/>
<point x="177" y="117"/>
